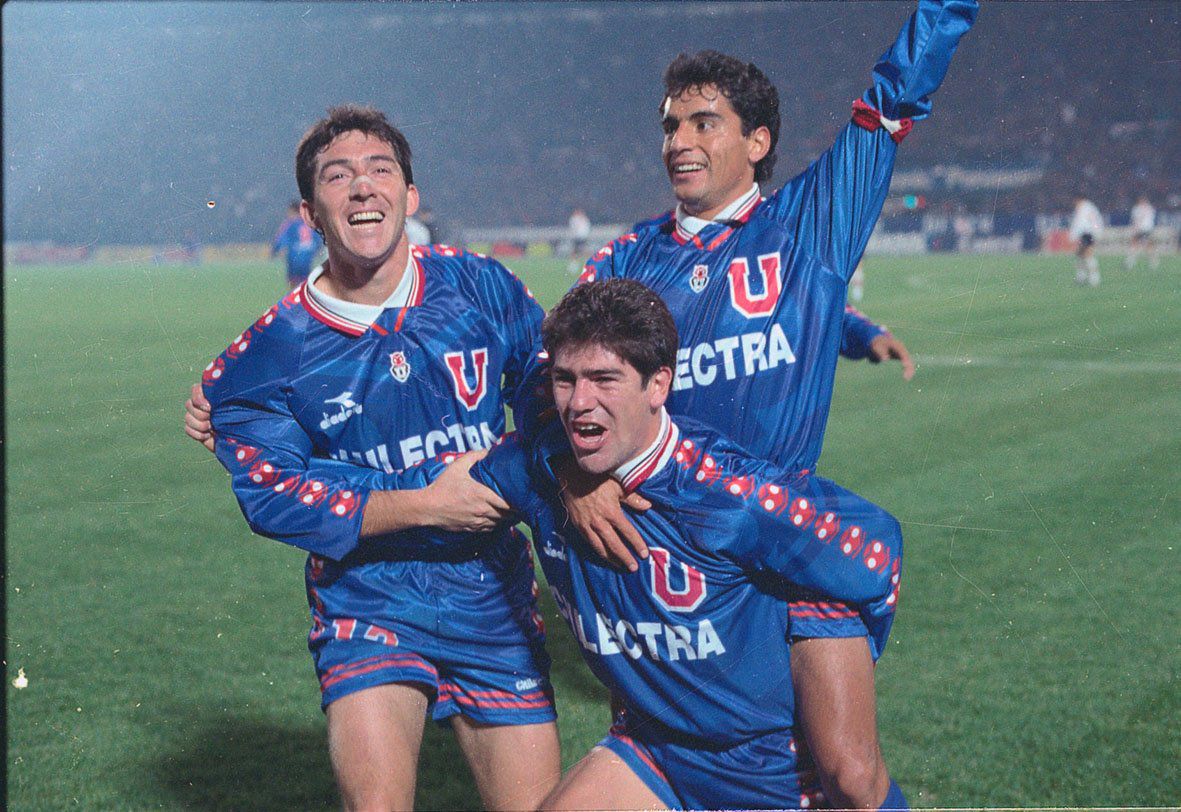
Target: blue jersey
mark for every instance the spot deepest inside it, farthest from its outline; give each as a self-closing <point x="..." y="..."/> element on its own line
<point x="302" y="244"/>
<point x="304" y="384"/>
<point x="693" y="642"/>
<point x="759" y="299"/>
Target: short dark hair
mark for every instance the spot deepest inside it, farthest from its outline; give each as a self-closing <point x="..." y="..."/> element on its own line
<point x="621" y="315"/>
<point x="749" y="91"/>
<point x="340" y="120"/>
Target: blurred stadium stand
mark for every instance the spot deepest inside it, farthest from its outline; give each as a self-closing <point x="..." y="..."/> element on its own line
<point x="1043" y="101"/>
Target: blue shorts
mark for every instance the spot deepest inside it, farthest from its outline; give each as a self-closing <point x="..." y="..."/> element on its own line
<point x="467" y="632"/>
<point x="762" y="773"/>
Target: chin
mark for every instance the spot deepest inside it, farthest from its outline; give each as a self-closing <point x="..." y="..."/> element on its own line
<point x="594" y="463"/>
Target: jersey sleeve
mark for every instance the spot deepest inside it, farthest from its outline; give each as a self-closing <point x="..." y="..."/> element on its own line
<point x="269" y="456"/>
<point x="857" y="332"/>
<point x="506" y="471"/>
<point x="833" y="205"/>
<point x="815" y="534"/>
<point x="518" y="316"/>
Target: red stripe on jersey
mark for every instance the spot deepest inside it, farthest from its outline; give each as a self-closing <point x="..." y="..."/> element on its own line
<point x="651" y="462"/>
<point x="870" y="119"/>
<point x="323" y="316"/>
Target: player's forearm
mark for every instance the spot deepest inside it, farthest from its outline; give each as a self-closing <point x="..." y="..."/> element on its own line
<point x="394" y="511"/>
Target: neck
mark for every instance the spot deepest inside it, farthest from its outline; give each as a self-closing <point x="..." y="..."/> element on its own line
<point x="363" y="284"/>
<point x="700" y="211"/>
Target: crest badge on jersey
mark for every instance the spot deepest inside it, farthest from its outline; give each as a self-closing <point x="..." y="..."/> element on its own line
<point x="399" y="366"/>
<point x="699" y="278"/>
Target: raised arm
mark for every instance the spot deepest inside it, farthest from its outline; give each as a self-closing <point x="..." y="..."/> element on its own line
<point x="835" y="203"/>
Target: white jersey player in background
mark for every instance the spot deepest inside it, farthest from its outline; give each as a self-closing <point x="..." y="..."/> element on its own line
<point x="1143" y="222"/>
<point x="1086" y="224"/>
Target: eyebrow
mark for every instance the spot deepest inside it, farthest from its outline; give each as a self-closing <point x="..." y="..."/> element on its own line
<point x="367" y="159"/>
<point x="700" y="114"/>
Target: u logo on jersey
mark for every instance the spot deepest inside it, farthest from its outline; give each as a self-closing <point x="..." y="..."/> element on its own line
<point x="685" y="598"/>
<point x="469" y="396"/>
<point x="744" y="300"/>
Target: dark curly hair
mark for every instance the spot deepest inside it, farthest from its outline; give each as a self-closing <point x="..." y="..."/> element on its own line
<point x="340" y="120"/>
<point x="748" y="90"/>
<point x="622" y="315"/>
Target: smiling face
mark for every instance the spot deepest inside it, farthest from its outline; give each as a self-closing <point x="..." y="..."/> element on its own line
<point x="710" y="163"/>
<point x="360" y="202"/>
<point x="610" y="414"/>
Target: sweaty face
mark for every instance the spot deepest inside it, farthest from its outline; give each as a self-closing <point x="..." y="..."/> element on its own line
<point x="361" y="200"/>
<point x="708" y="159"/>
<point x="609" y="414"/>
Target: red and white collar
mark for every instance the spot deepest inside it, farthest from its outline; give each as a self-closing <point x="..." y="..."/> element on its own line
<point x="354" y="318"/>
<point x="652" y="459"/>
<point x="740" y="208"/>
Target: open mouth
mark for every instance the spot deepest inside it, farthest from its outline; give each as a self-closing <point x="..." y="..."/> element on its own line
<point x="364" y="217"/>
<point x="586" y="434"/>
<point x="684" y="169"/>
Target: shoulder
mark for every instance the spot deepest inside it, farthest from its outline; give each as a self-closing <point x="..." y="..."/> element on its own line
<point x="268" y="349"/>
<point x="464" y="269"/>
<point x="712" y="470"/>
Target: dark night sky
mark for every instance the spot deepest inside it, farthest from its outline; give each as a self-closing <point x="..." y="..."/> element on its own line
<point x="122" y="120"/>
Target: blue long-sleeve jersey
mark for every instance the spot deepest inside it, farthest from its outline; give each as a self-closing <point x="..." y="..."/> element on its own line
<point x="304" y="385"/>
<point x="759" y="301"/>
<point x="693" y="642"/>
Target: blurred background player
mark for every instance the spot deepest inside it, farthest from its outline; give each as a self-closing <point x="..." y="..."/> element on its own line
<point x="1143" y="222"/>
<point x="1086" y="224"/>
<point x="579" y="226"/>
<point x="301" y="243"/>
<point x="857" y="283"/>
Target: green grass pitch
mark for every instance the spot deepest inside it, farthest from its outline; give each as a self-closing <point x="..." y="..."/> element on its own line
<point x="1032" y="461"/>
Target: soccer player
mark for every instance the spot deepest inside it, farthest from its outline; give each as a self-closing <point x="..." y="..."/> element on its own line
<point x="757" y="287"/>
<point x="579" y="227"/>
<point x="692" y="644"/>
<point x="300" y="242"/>
<point x="385" y="356"/>
<point x="1086" y="224"/>
<point x="1143" y="222"/>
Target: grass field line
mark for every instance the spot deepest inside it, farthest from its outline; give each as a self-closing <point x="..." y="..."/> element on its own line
<point x="1056" y="365"/>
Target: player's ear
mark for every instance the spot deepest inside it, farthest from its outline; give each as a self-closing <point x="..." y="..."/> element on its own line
<point x="658" y="387"/>
<point x="411" y="199"/>
<point x="758" y="144"/>
<point x="309" y="216"/>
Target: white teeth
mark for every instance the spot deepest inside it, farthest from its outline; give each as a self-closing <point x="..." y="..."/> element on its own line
<point x="688" y="167"/>
<point x="366" y="217"/>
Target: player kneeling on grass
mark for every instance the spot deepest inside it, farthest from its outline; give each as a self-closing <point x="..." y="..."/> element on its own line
<point x="691" y="644"/>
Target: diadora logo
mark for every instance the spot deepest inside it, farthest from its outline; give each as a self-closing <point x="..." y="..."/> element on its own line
<point x="699" y="278"/>
<point x="347" y="407"/>
<point x="554" y="547"/>
<point x="469" y="395"/>
<point x="399" y="366"/>
<point x="690" y="591"/>
<point x="742" y="296"/>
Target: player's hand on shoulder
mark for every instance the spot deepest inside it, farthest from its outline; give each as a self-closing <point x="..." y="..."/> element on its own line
<point x="197" y="423"/>
<point x="459" y="503"/>
<point x="887" y="346"/>
<point x="594" y="503"/>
